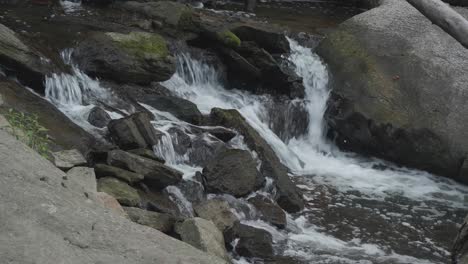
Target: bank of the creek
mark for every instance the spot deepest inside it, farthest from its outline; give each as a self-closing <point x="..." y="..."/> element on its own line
<point x="357" y="209"/>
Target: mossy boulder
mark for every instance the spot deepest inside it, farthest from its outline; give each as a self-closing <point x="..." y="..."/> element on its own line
<point x="124" y="193"/>
<point x="391" y="97"/>
<point x="137" y="57"/>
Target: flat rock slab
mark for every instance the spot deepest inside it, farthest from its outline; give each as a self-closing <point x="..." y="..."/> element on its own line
<point x="68" y="159"/>
<point x="41" y="222"/>
<point x="83" y="177"/>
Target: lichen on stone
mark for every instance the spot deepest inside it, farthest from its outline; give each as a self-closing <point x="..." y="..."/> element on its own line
<point x="141" y="44"/>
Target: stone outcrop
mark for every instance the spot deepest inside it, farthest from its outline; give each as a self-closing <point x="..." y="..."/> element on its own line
<point x="392" y="97"/>
<point x="136" y="57"/>
<point x="75" y="228"/>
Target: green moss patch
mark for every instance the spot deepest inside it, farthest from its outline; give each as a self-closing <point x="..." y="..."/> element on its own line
<point x="228" y="38"/>
<point x="141" y="44"/>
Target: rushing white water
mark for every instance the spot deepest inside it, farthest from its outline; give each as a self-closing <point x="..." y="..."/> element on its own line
<point x="310" y="156"/>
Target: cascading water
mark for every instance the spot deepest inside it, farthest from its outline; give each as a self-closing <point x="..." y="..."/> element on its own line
<point x="355" y="211"/>
<point x="345" y="178"/>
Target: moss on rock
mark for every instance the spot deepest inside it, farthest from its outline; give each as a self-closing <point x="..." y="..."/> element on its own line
<point x="125" y="194"/>
<point x="141" y="44"/>
<point x="228" y="39"/>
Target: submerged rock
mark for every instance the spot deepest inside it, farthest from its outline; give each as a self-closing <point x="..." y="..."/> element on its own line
<point x="137" y="57"/>
<point x="28" y="65"/>
<point x="134" y="131"/>
<point x="156" y="175"/>
<point x="217" y="211"/>
<point x="392" y="97"/>
<point x="287" y="195"/>
<point x="98" y="117"/>
<point x="125" y="194"/>
<point x="204" y="235"/>
<point x="233" y="172"/>
<point x="162" y="222"/>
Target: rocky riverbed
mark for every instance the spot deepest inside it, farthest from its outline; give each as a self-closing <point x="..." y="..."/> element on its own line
<point x="216" y="129"/>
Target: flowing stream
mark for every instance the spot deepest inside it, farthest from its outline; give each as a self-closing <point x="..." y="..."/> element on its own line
<point x="359" y="210"/>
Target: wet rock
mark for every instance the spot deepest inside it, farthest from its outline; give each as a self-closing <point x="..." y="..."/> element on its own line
<point x="98" y="117"/>
<point x="181" y="140"/>
<point x="193" y="191"/>
<point x="162" y="222"/>
<point x="121" y="191"/>
<point x="67" y="159"/>
<point x="17" y="59"/>
<point x="287" y="196"/>
<point x="103" y="170"/>
<point x="222" y="133"/>
<point x="134" y="131"/>
<point x="110" y="203"/>
<point x="146" y="153"/>
<point x="180" y="108"/>
<point x="83" y="177"/>
<point x="156" y="174"/>
<point x="137" y="57"/>
<point x="159" y="202"/>
<point x="204" y="235"/>
<point x="387" y="101"/>
<point x="233" y="172"/>
<point x="274" y="79"/>
<point x="283" y="260"/>
<point x="270" y="39"/>
<point x="269" y="211"/>
<point x="217" y="211"/>
<point x="253" y="242"/>
<point x="204" y="149"/>
<point x="460" y="247"/>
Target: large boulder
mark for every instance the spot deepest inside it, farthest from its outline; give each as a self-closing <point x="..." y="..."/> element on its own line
<point x="162" y="222"/>
<point x="76" y="229"/>
<point x="203" y="235"/>
<point x="234" y="172"/>
<point x="98" y="117"/>
<point x="253" y="68"/>
<point x="28" y="65"/>
<point x="392" y="97"/>
<point x="134" y="131"/>
<point x="253" y="242"/>
<point x="180" y="108"/>
<point x="137" y="57"/>
<point x="217" y="211"/>
<point x="287" y="196"/>
<point x="156" y="174"/>
<point x="270" y="39"/>
<point x="125" y="194"/>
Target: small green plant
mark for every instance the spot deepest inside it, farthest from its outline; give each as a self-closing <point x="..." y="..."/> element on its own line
<point x="26" y="128"/>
